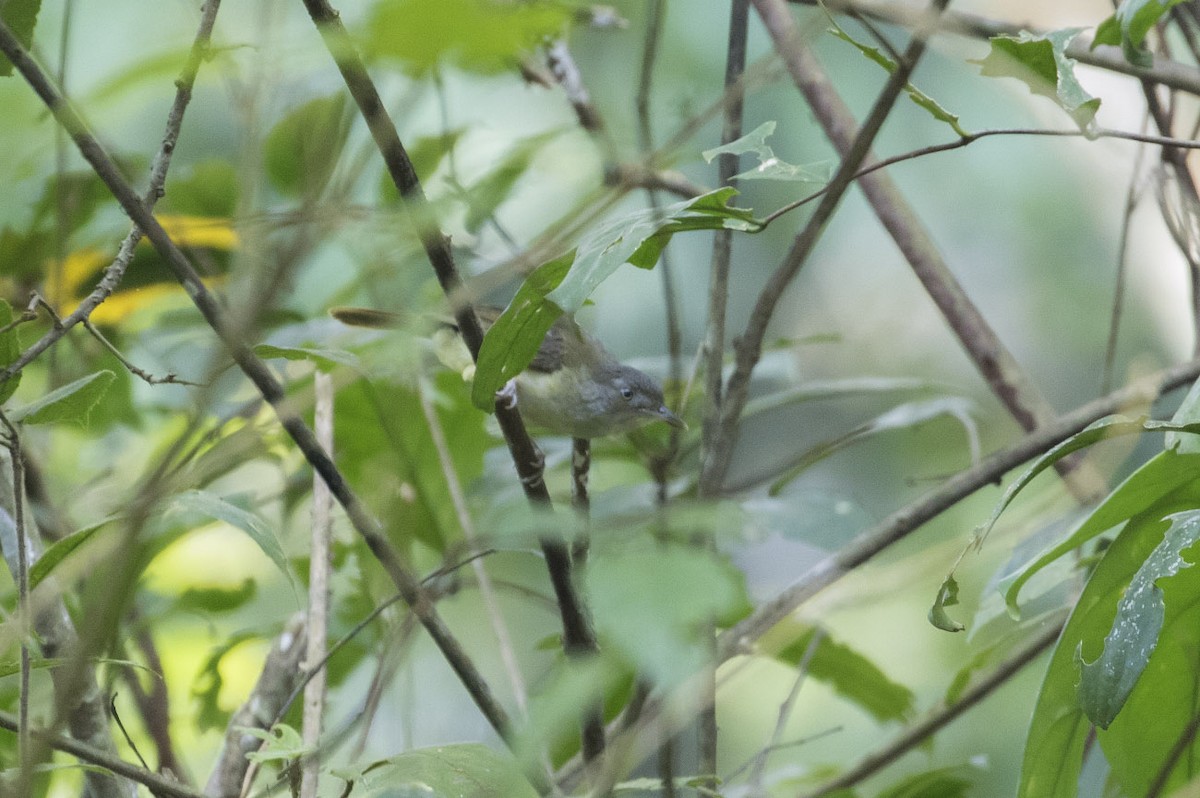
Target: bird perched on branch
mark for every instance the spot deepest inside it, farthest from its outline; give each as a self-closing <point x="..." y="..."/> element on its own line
<point x="573" y="386"/>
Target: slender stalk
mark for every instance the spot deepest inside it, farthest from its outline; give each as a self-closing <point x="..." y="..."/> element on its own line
<point x="319" y="572"/>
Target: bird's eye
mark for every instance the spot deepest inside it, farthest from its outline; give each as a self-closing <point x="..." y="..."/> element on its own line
<point x="627" y="392"/>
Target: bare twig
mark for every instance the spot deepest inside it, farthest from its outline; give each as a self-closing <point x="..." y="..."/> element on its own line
<point x="78" y="696"/>
<point x="158" y="177"/>
<point x="908" y="518"/>
<point x="1171" y="74"/>
<point x="160" y="785"/>
<point x="263" y="379"/>
<point x="759" y="768"/>
<point x="319" y="568"/>
<point x="12" y="442"/>
<point x="579" y="637"/>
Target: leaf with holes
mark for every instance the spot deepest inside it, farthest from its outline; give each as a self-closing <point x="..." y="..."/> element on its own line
<point x="1042" y="64"/>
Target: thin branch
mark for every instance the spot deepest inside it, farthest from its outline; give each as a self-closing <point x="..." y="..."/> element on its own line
<point x="853" y="144"/>
<point x="759" y="768"/>
<point x="939" y="718"/>
<point x="158" y="178"/>
<point x="907" y="519"/>
<point x="487" y="592"/>
<point x="258" y="373"/>
<point x="319" y="568"/>
<point x="1171" y="74"/>
<point x="12" y="442"/>
<point x="579" y="638"/>
<point x="971" y="138"/>
<point x="159" y="785"/>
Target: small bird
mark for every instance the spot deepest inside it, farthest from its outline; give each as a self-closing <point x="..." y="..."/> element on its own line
<point x="573" y="386"/>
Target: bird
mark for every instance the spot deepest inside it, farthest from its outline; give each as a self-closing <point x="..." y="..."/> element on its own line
<point x="573" y="386"/>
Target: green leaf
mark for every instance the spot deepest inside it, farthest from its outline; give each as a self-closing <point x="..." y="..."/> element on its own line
<point x="1059" y="728"/>
<point x="947" y="597"/>
<point x="282" y="743"/>
<point x="1105" y="428"/>
<point x="769" y="167"/>
<point x="1106" y="682"/>
<point x="303" y="148"/>
<point x="920" y="98"/>
<point x="490" y="191"/>
<point x="59" y="551"/>
<point x="1129" y="25"/>
<point x="10" y="350"/>
<point x="564" y="284"/>
<point x="20" y="16"/>
<point x="653" y="602"/>
<point x="851" y="675"/>
<point x="73" y="402"/>
<point x="1155" y="479"/>
<point x="212" y="506"/>
<point x="1042" y="64"/>
<point x="514" y="339"/>
<point x="324" y="359"/>
<point x="949" y="782"/>
<point x="905" y="416"/>
<point x="465" y="770"/>
<point x="483" y="36"/>
<point x="216" y="599"/>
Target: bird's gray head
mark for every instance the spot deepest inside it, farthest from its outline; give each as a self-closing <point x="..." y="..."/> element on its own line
<point x="631" y="398"/>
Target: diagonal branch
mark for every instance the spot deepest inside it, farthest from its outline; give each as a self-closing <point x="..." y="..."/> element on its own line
<point x="579" y="638"/>
<point x="909" y="518"/>
<point x="853" y="144"/>
<point x="258" y="373"/>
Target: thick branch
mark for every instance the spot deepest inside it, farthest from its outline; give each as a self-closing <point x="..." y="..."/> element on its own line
<point x="258" y="373"/>
<point x="1171" y="74"/>
<point x="578" y="635"/>
<point x="907" y="519"/>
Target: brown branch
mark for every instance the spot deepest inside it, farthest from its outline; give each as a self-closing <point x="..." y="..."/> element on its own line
<point x="1171" y="74"/>
<point x="258" y="373"/>
<point x="578" y="636"/>
<point x="158" y="178"/>
<point x="160" y="786"/>
<point x="853" y="144"/>
<point x="910" y="517"/>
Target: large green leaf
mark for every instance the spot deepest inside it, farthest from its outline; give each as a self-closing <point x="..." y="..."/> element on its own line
<point x="1106" y="683"/>
<point x="301" y="151"/>
<point x="1159" y="476"/>
<point x="1059" y="728"/>
<point x="60" y="550"/>
<point x="484" y="36"/>
<point x="10" y="350"/>
<point x="465" y="770"/>
<point x="1129" y="25"/>
<point x="1040" y="61"/>
<point x="770" y="167"/>
<point x="73" y="402"/>
<point x="564" y="284"/>
<point x="652" y="603"/>
<point x="20" y="16"/>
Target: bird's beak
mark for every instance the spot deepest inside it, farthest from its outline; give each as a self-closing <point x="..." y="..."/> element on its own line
<point x="675" y="421"/>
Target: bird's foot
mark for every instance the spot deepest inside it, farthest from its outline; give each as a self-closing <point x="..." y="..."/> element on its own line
<point x="507" y="396"/>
